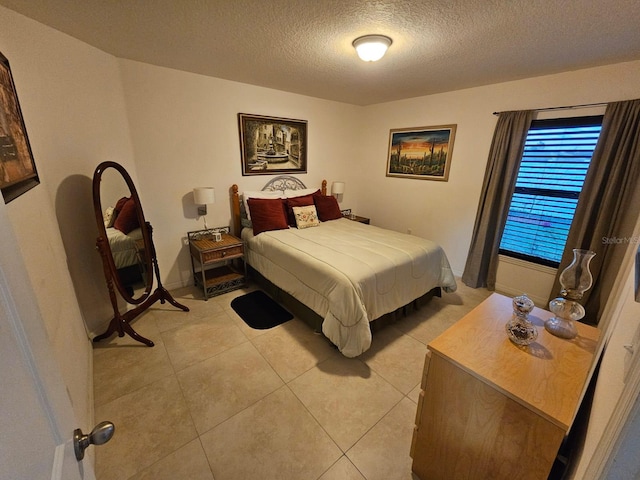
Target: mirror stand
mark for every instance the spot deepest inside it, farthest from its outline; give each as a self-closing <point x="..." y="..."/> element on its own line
<point x="125" y="243"/>
<point x="120" y="323"/>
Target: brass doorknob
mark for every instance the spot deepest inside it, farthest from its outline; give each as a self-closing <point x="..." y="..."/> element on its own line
<point x="101" y="434"/>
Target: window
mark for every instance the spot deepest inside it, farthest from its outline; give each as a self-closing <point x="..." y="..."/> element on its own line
<point x="554" y="164"/>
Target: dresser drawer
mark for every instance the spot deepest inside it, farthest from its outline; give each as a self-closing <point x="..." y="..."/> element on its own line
<point x="221" y="254"/>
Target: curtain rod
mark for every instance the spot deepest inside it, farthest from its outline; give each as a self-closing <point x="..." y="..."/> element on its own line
<point x="567" y="107"/>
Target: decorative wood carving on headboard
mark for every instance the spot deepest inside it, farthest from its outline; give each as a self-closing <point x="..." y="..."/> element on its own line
<point x="282" y="182"/>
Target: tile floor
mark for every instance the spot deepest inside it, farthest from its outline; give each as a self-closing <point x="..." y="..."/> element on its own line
<point x="215" y="399"/>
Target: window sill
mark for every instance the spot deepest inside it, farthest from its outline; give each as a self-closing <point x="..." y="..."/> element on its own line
<point x="529" y="265"/>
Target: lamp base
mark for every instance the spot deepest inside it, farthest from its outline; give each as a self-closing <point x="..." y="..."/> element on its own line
<point x="566" y="311"/>
<point x="561" y="327"/>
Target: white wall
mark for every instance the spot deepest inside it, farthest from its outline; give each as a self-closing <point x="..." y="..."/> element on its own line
<point x="73" y="109"/>
<point x="445" y="211"/>
<point x="619" y="378"/>
<point x="185" y="135"/>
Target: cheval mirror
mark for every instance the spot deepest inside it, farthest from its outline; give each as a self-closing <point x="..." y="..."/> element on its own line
<point x="126" y="246"/>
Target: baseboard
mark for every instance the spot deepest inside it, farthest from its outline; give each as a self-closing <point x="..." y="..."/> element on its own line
<point x="179" y="284"/>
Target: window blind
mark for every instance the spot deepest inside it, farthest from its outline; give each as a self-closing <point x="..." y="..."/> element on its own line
<point x="555" y="161"/>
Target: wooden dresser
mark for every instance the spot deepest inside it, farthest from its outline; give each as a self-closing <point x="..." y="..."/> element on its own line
<point x="489" y="409"/>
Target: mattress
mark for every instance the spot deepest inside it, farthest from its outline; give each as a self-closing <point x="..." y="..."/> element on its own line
<point x="349" y="273"/>
<point x="123" y="247"/>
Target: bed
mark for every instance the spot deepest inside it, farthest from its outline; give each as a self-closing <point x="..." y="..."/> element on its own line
<point x="124" y="247"/>
<point x="125" y="240"/>
<point x="346" y="273"/>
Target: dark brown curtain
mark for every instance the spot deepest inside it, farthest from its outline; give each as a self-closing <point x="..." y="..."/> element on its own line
<point x="504" y="160"/>
<point x="609" y="205"/>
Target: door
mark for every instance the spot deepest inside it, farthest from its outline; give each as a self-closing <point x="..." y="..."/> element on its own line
<point x="36" y="420"/>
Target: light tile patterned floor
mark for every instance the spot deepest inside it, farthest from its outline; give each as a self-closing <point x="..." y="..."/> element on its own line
<point x="215" y="399"/>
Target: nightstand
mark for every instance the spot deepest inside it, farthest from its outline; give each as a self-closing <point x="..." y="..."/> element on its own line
<point x="217" y="267"/>
<point x="356" y="218"/>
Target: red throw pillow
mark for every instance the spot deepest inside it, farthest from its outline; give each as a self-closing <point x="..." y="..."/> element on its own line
<point x="119" y="204"/>
<point x="127" y="219"/>
<point x="267" y="214"/>
<point x="327" y="207"/>
<point x="302" y="201"/>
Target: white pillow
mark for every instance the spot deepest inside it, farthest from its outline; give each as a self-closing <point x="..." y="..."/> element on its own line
<point x="299" y="193"/>
<point x="108" y="217"/>
<point x="259" y="194"/>
<point x="306" y="216"/>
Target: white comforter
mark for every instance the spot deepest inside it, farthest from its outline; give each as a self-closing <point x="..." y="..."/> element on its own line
<point x="349" y="273"/>
<point x="123" y="246"/>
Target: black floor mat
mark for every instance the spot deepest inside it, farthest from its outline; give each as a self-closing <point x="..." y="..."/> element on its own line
<point x="259" y="311"/>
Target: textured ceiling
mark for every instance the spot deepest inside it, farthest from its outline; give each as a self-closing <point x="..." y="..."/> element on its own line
<point x="304" y="46"/>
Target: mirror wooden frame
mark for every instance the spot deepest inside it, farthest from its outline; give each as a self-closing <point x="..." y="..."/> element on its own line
<point x="120" y="323"/>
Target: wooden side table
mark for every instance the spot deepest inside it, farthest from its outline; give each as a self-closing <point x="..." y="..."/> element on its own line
<point x="491" y="409"/>
<point x="357" y="218"/>
<point x="215" y="264"/>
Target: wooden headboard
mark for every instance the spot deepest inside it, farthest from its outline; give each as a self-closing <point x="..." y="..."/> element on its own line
<point x="282" y="182"/>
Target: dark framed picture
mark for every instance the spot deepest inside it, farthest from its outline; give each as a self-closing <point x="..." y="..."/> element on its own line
<point x="638" y="274"/>
<point x="271" y="145"/>
<point x="17" y="168"/>
<point x="422" y="152"/>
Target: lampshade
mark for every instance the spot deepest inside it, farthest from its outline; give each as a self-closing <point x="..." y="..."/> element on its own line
<point x="337" y="188"/>
<point x="204" y="195"/>
<point x="371" y="48"/>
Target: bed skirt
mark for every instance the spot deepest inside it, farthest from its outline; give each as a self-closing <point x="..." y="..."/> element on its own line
<point x="314" y="320"/>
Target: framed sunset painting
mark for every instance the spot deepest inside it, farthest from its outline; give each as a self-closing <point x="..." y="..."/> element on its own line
<point x="422" y="152"/>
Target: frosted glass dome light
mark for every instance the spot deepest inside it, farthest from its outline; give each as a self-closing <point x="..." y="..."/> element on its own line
<point x="371" y="48"/>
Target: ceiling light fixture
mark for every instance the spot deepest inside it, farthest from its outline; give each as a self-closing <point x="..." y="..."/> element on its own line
<point x="371" y="48"/>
